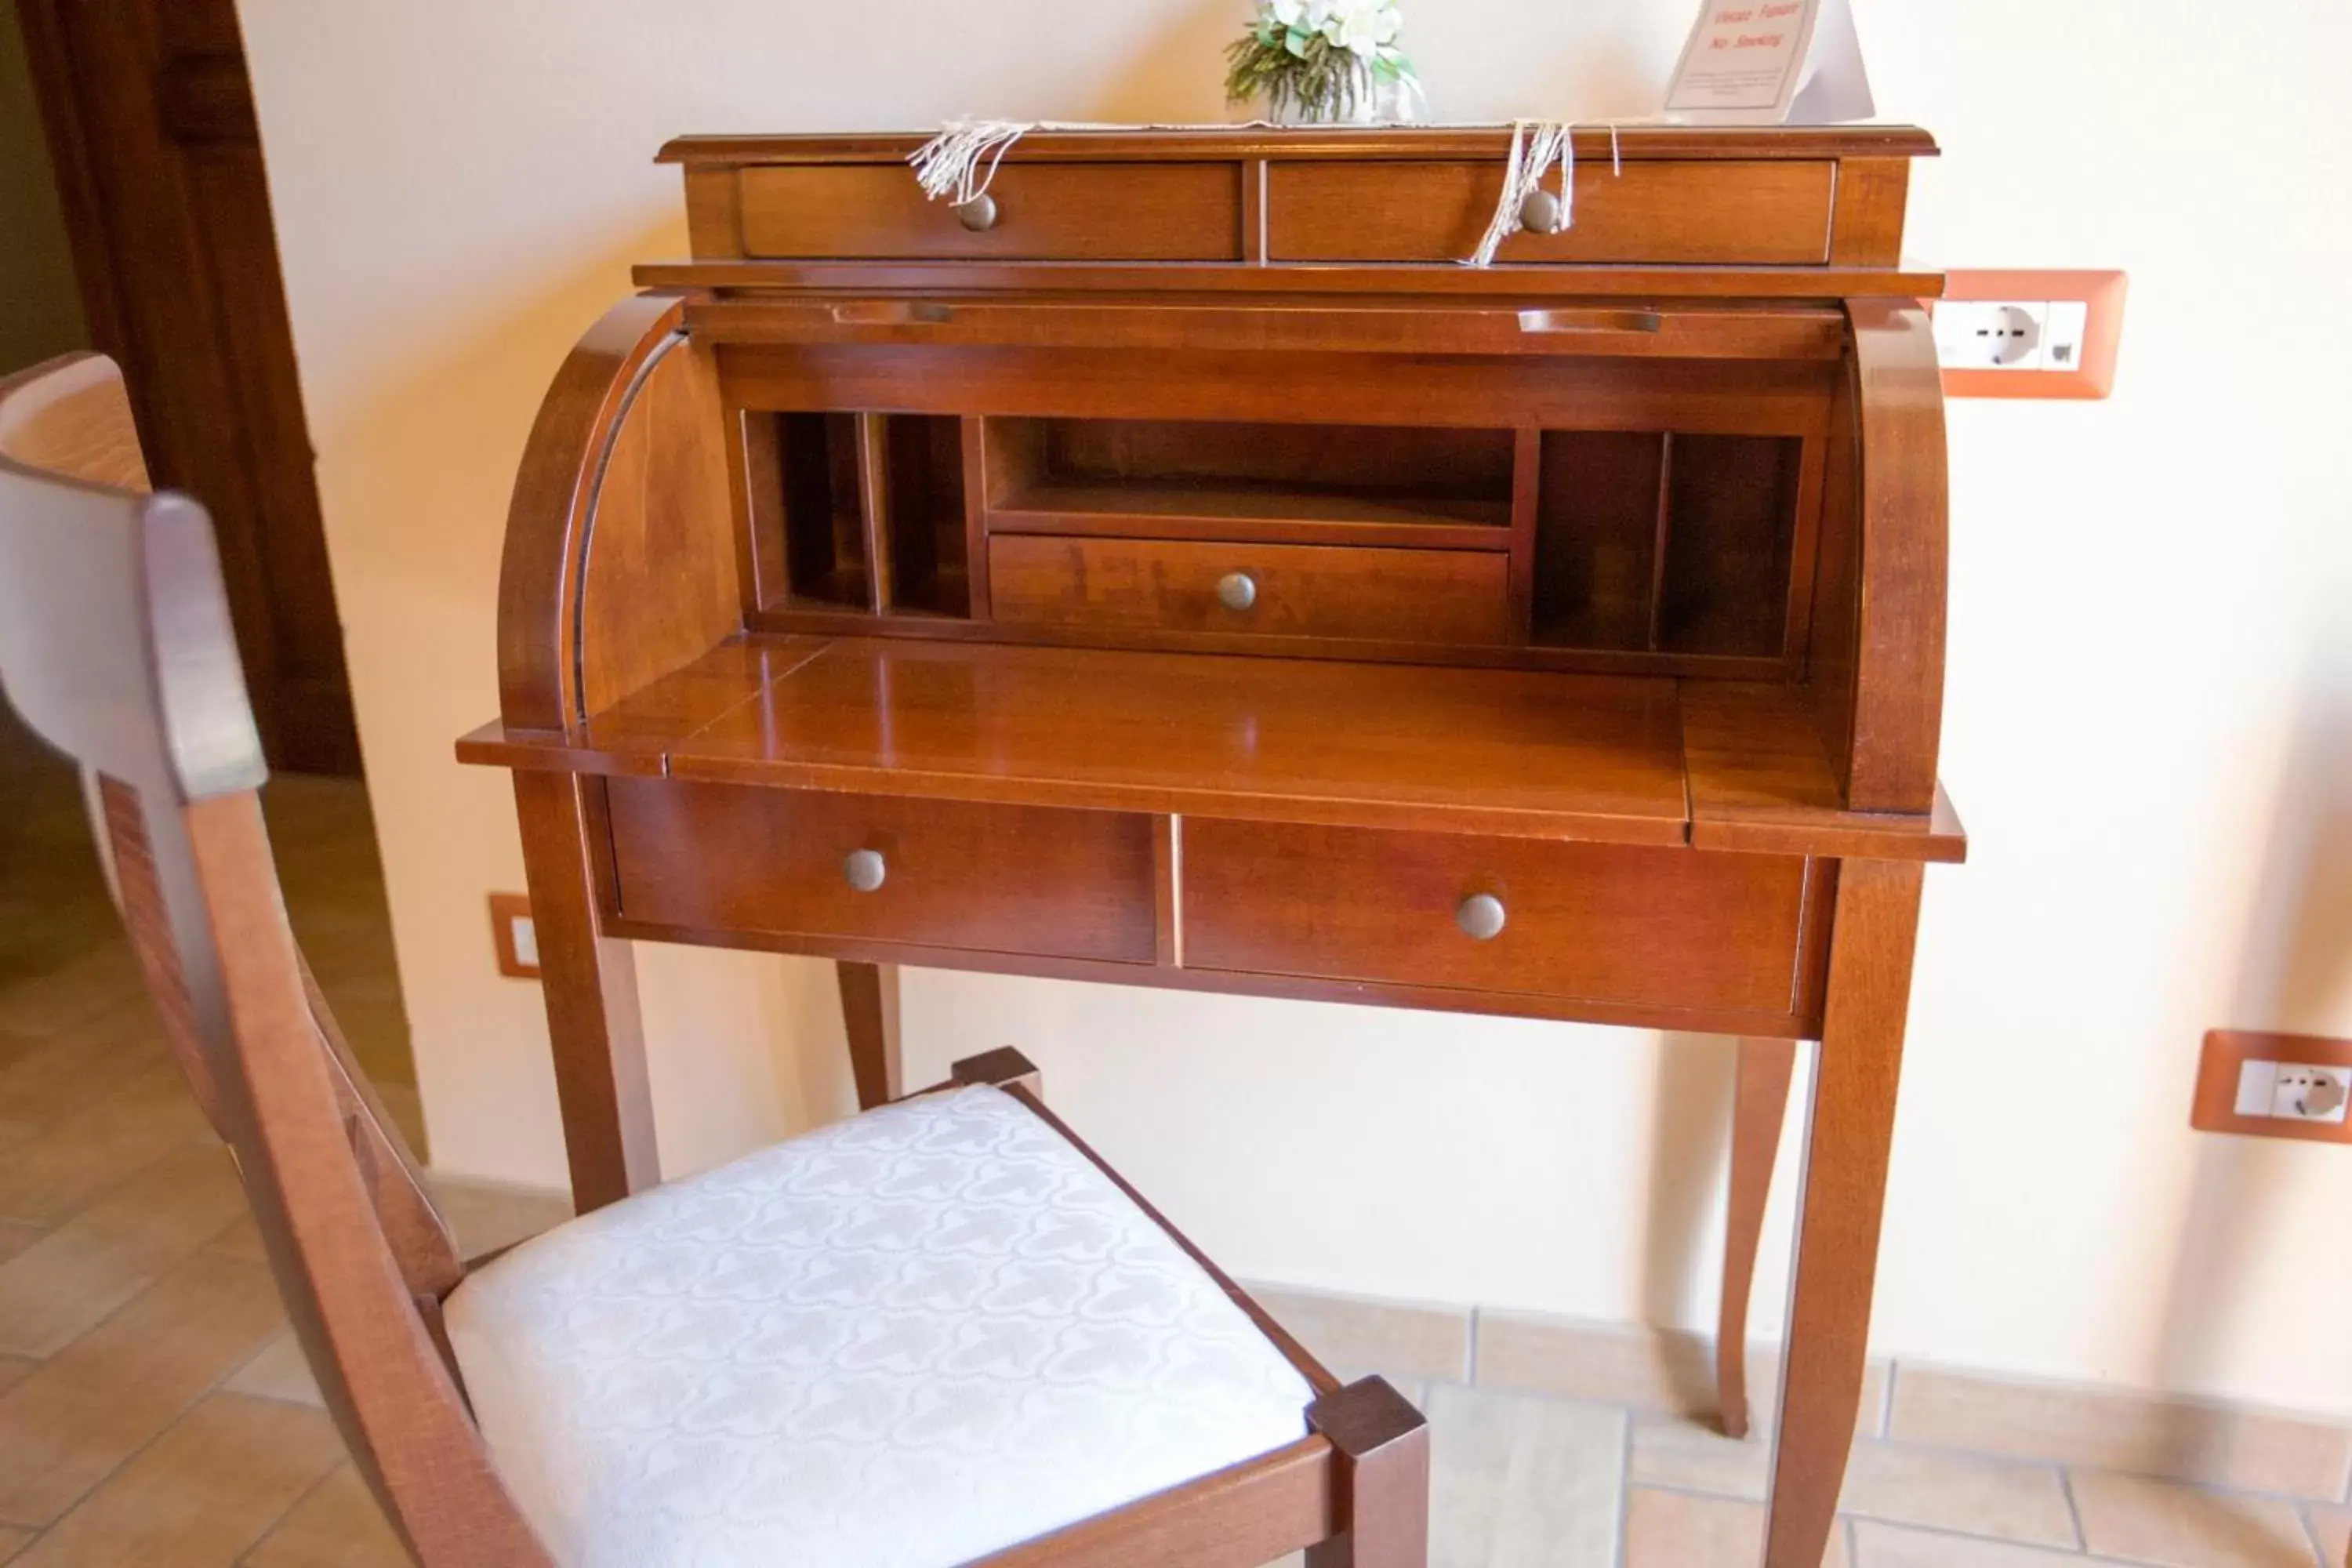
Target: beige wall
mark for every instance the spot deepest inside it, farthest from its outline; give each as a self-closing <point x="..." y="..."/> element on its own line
<point x="2150" y="697"/>
<point x="40" y="312"/>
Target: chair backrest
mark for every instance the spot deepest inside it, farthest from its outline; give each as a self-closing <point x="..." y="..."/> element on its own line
<point x="116" y="647"/>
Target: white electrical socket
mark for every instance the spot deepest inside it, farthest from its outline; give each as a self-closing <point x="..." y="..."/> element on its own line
<point x="1999" y="334"/>
<point x="2011" y="334"/>
<point x="2293" y="1092"/>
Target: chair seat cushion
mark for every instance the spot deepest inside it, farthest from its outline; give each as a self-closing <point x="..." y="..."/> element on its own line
<point x="907" y="1341"/>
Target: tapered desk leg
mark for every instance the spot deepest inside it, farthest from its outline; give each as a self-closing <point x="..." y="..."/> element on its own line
<point x="1845" y="1194"/>
<point x="591" y="986"/>
<point x="1759" y="1104"/>
<point x="869" y="1007"/>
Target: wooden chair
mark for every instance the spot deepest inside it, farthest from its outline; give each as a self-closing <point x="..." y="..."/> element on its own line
<point x="941" y="1331"/>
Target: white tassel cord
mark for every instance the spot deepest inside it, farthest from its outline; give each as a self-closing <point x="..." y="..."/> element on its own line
<point x="950" y="164"/>
<point x="1532" y="156"/>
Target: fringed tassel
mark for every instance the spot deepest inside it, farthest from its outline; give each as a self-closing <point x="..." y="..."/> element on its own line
<point x="959" y="164"/>
<point x="1536" y="146"/>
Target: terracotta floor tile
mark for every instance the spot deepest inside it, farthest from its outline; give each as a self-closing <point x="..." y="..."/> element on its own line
<point x="1969" y="1492"/>
<point x="277" y="1371"/>
<point x="1357" y="1338"/>
<point x="1879" y="1545"/>
<point x="202" y="1494"/>
<point x="1680" y="1530"/>
<point x="105" y="1396"/>
<point x="1517" y="1481"/>
<point x="76" y="1159"/>
<point x="69" y="1281"/>
<point x="241" y="1240"/>
<point x="16" y="1235"/>
<point x="2331" y="1526"/>
<point x="337" y="1525"/>
<point x="1690" y="1455"/>
<point x="76" y="1067"/>
<point x="2188" y="1527"/>
<point x="12" y="1541"/>
<point x="15" y="1369"/>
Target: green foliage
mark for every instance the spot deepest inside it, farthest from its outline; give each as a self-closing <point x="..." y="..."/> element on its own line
<point x="1297" y="70"/>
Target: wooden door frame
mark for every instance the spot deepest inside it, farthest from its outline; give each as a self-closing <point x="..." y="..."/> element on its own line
<point x="155" y="260"/>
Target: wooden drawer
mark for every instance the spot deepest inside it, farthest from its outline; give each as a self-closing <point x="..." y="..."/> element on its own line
<point x="995" y="878"/>
<point x="1300" y="590"/>
<point x="1603" y="922"/>
<point x="1061" y="212"/>
<point x="1759" y="213"/>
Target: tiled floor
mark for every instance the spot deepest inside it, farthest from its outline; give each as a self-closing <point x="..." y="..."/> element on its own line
<point x="153" y="1409"/>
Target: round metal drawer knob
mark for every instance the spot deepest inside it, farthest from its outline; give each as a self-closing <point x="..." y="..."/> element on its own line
<point x="1238" y="591"/>
<point x="1481" y="917"/>
<point x="864" y="869"/>
<point x="1539" y="213"/>
<point x="978" y="214"/>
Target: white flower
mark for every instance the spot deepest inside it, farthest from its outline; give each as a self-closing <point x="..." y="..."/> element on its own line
<point x="1363" y="25"/>
<point x="1306" y="16"/>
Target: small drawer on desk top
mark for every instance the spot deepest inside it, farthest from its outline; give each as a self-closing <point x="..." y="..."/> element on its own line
<point x="1758" y="213"/>
<point x="1460" y="596"/>
<point x="1047" y="212"/>
<point x="991" y="879"/>
<point x="1603" y="922"/>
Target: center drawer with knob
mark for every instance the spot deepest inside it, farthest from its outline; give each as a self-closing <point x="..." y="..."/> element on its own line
<point x="1633" y="925"/>
<point x="991" y="878"/>
<point x="1460" y="596"/>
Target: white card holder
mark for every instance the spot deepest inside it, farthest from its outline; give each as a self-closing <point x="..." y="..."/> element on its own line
<point x="1771" y="62"/>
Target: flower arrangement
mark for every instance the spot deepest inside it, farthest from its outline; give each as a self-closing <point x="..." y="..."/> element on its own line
<point x="1324" y="60"/>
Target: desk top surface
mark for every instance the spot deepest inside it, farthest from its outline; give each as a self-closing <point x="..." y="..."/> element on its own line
<point x="1620" y="759"/>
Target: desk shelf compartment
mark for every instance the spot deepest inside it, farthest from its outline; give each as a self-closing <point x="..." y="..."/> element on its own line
<point x="1403" y="487"/>
<point x="1663" y="543"/>
<point x="858" y="512"/>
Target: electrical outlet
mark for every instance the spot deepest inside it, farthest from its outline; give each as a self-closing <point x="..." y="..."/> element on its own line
<point x="2029" y="334"/>
<point x="2293" y="1092"/>
<point x="514" y="935"/>
<point x="2274" y="1086"/>
<point x="1991" y="334"/>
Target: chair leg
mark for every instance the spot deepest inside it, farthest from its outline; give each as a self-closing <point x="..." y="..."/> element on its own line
<point x="1003" y="1067"/>
<point x="1760" y="1106"/>
<point x="869" y="1007"/>
<point x="1383" y="1447"/>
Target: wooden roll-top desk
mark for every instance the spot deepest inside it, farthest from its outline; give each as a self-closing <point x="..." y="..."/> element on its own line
<point x="1179" y="569"/>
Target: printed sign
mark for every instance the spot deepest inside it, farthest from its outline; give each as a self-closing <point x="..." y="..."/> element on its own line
<point x="1771" y="62"/>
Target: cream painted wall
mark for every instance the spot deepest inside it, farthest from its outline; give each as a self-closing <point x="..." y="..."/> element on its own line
<point x="2149" y="729"/>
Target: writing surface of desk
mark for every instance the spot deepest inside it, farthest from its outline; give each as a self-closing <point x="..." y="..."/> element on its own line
<point x="1183" y="573"/>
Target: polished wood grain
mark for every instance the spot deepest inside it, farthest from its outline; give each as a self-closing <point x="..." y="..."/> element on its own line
<point x="661" y="587"/>
<point x="1506" y="752"/>
<point x="1610" y="588"/>
<point x="1245" y="1517"/>
<point x="1057" y="212"/>
<point x="1851" y="1132"/>
<point x="1383" y="1445"/>
<point x="1286" y="323"/>
<point x="1763" y="214"/>
<point x="1302" y="591"/>
<point x="1633" y="142"/>
<point x="555" y="495"/>
<point x="869" y="1011"/>
<point x="1892" y="726"/>
<point x="1604" y="921"/>
<point x="1450" y="279"/>
<point x="1759" y="1104"/>
<point x="590" y="985"/>
<point x="999" y="877"/>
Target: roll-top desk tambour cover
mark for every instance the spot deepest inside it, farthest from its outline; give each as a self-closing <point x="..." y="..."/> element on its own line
<point x="1180" y="569"/>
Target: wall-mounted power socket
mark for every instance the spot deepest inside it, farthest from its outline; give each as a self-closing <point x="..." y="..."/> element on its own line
<point x="514" y="936"/>
<point x="2276" y="1086"/>
<point x="2029" y="334"/>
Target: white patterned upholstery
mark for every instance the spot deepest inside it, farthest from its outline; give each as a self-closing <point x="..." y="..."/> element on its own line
<point x="904" y="1341"/>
